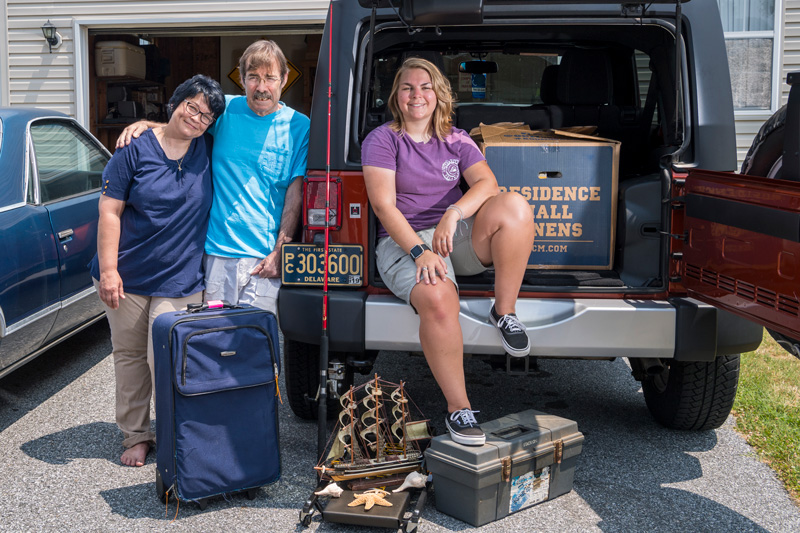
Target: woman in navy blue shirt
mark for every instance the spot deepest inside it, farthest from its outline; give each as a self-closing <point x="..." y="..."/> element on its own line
<point x="154" y="208"/>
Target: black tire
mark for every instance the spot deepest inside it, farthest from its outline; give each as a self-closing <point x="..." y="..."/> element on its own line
<point x="693" y="395"/>
<point x="301" y="364"/>
<point x="765" y="158"/>
<point x="161" y="490"/>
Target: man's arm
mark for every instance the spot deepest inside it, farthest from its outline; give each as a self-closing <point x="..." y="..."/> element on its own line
<point x="270" y="267"/>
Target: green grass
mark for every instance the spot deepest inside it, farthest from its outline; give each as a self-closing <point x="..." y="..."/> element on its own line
<point x="767" y="409"/>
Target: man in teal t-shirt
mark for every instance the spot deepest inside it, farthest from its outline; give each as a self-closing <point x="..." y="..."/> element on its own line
<point x="259" y="158"/>
<point x="258" y="161"/>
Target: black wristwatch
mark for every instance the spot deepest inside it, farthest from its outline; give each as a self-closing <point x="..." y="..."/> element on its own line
<point x="418" y="250"/>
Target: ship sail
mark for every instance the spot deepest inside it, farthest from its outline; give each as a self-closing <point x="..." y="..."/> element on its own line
<point x="375" y="434"/>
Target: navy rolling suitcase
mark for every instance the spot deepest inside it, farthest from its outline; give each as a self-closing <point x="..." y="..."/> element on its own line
<point x="216" y="372"/>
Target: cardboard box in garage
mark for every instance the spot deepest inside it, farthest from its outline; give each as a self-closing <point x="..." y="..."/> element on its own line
<point x="570" y="180"/>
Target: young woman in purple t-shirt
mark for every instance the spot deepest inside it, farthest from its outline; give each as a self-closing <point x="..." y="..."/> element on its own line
<point x="430" y="231"/>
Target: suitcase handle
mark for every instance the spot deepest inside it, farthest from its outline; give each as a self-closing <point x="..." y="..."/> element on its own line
<point x="211" y="304"/>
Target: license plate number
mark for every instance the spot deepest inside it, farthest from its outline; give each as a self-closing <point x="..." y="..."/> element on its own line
<point x="303" y="264"/>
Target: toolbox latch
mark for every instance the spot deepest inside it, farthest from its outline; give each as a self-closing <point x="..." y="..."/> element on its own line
<point x="558" y="451"/>
<point x="506" y="469"/>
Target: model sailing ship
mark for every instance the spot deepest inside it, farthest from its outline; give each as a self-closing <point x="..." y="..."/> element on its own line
<point x="376" y="434"/>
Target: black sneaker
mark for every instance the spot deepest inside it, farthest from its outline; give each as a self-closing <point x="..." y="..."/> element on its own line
<point x="512" y="331"/>
<point x="464" y="429"/>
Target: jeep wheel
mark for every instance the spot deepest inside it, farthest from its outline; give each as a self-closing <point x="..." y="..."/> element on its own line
<point x="301" y="363"/>
<point x="693" y="395"/>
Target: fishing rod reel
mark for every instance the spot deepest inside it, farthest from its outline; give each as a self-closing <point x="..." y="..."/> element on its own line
<point x="336" y="378"/>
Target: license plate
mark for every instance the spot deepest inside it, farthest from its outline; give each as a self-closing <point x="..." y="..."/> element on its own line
<point x="303" y="264"/>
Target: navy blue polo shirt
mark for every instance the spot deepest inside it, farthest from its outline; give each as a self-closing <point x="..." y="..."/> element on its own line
<point x="163" y="226"/>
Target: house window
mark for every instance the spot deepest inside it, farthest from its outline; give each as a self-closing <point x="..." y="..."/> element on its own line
<point x="750" y="38"/>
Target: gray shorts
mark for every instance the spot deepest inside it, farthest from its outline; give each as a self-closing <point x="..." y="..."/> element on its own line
<point x="399" y="272"/>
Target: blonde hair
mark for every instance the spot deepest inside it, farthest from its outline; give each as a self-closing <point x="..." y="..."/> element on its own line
<point x="263" y="54"/>
<point x="441" y="121"/>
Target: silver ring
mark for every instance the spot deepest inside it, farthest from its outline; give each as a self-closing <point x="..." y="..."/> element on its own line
<point x="424" y="268"/>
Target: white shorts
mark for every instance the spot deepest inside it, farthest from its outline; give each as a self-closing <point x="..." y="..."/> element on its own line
<point x="229" y="279"/>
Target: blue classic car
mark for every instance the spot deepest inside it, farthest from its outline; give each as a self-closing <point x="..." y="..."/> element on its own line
<point x="50" y="174"/>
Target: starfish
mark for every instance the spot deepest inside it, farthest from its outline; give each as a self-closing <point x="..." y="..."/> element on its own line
<point x="370" y="498"/>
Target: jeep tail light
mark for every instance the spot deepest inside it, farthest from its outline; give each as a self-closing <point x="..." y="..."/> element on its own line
<point x="314" y="203"/>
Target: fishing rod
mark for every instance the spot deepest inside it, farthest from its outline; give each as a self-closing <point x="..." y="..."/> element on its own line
<point x="322" y="408"/>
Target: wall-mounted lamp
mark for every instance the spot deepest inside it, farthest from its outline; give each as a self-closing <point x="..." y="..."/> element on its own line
<point x="52" y="37"/>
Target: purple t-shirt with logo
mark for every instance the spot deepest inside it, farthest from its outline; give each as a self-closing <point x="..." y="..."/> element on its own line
<point x="426" y="174"/>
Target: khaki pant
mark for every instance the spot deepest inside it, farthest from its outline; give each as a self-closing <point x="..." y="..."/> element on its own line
<point x="132" y="344"/>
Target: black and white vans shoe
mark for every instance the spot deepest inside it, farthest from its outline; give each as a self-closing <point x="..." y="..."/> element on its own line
<point x="512" y="331"/>
<point x="464" y="429"/>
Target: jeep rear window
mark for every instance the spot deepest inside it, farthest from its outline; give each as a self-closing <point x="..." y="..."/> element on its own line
<point x="516" y="82"/>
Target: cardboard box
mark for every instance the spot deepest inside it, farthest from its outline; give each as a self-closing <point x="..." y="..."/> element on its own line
<point x="528" y="458"/>
<point x="570" y="180"/>
<point x="113" y="59"/>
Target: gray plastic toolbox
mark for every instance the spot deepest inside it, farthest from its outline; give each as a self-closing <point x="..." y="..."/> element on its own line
<point x="528" y="458"/>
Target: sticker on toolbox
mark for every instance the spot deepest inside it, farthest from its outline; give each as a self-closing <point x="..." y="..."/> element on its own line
<point x="529" y="489"/>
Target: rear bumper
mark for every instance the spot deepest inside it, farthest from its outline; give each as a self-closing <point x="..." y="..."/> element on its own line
<point x="680" y="328"/>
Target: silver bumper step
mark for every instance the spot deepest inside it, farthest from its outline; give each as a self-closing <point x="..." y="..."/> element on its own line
<point x="556" y="327"/>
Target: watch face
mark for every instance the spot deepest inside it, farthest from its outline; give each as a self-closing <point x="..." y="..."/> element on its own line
<point x="418" y="250"/>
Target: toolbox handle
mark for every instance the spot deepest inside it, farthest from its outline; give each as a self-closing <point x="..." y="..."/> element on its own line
<point x="512" y="432"/>
<point x="211" y="304"/>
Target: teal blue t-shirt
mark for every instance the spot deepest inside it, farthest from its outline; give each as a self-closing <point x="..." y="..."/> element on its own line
<point x="254" y="160"/>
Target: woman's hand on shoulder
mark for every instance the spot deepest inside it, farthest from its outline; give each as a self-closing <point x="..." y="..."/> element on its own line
<point x="110" y="288"/>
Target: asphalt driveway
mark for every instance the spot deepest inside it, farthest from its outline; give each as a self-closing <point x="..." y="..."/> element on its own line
<point x="60" y="449"/>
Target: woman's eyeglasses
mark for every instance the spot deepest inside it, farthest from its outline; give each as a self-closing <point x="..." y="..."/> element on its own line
<point x="192" y="109"/>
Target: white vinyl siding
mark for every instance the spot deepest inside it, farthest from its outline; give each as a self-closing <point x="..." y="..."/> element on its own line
<point x="754" y="91"/>
<point x="36" y="77"/>
<point x="791" y="44"/>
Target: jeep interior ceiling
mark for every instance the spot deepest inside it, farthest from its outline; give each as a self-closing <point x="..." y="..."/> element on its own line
<point x="386" y="40"/>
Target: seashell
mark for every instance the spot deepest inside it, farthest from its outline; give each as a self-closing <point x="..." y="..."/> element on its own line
<point x="414" y="480"/>
<point x="332" y="489"/>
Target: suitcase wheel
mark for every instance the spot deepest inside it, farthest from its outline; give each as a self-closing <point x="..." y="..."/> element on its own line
<point x="251" y="494"/>
<point x="305" y="518"/>
<point x="161" y="490"/>
<point x="202" y="503"/>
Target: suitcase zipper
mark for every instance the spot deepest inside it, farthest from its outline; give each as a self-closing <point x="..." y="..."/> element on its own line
<point x="212" y="330"/>
<point x="277" y="384"/>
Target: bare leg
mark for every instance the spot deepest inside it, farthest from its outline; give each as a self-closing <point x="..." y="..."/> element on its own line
<point x="135" y="455"/>
<point x="441" y="339"/>
<point x="503" y="236"/>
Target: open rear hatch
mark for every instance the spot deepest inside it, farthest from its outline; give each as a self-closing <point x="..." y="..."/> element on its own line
<point x="621" y="83"/>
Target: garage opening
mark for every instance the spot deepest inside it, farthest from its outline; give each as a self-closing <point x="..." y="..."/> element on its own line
<point x="134" y="71"/>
